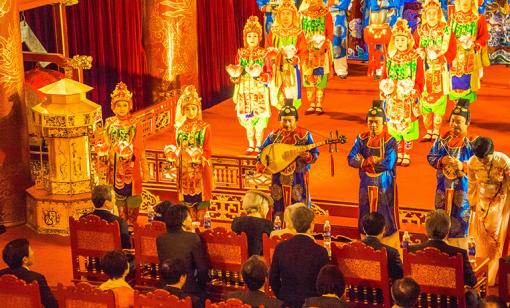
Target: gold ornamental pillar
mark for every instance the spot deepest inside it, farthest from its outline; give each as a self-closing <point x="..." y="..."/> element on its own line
<point x="14" y="167"/>
<point x="171" y="44"/>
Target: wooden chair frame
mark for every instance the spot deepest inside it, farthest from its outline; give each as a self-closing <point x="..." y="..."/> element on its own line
<point x="503" y="279"/>
<point x="12" y="287"/>
<point x="83" y="292"/>
<point x="161" y="298"/>
<point x="146" y="253"/>
<point x="229" y="303"/>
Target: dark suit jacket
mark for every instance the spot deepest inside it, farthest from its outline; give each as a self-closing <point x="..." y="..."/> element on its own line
<point x="324" y="302"/>
<point x="187" y="247"/>
<point x="256" y="298"/>
<point x="254" y="227"/>
<point x="181" y="294"/>
<point x="294" y="269"/>
<point x="125" y="239"/>
<point x="469" y="276"/>
<point x="47" y="298"/>
<point x="395" y="270"/>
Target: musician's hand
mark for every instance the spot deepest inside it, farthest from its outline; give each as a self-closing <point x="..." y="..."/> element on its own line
<point x="447" y="160"/>
<point x="305" y="155"/>
<point x="457" y="164"/>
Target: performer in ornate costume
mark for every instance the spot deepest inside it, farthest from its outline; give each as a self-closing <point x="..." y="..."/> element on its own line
<point x="488" y="189"/>
<point x="401" y="86"/>
<point x="449" y="156"/>
<point x="192" y="155"/>
<point x="291" y="184"/>
<point x="269" y="7"/>
<point x="288" y="46"/>
<point x="375" y="155"/>
<point x="317" y="25"/>
<point x="436" y="47"/>
<point x="471" y="35"/>
<point x="127" y="165"/>
<point x="251" y="76"/>
<point x="338" y="10"/>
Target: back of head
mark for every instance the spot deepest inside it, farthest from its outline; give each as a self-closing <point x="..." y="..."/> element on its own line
<point x="437" y="224"/>
<point x="289" y="210"/>
<point x="405" y="292"/>
<point x="254" y="272"/>
<point x="330" y="281"/>
<point x="14" y="252"/>
<point x="175" y="216"/>
<point x="373" y="223"/>
<point x="302" y="219"/>
<point x="161" y="207"/>
<point x="257" y="201"/>
<point x="100" y="194"/>
<point x="483" y="146"/>
<point x="114" y="264"/>
<point x="171" y="270"/>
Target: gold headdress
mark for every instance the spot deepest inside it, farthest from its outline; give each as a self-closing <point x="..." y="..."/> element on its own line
<point x="188" y="97"/>
<point x="252" y="25"/>
<point x="287" y="5"/>
<point x="474" y="7"/>
<point x="432" y="4"/>
<point x="401" y="28"/>
<point x="121" y="93"/>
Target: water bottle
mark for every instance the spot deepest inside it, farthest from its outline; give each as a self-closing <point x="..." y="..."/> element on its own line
<point x="472" y="249"/>
<point x="277" y="223"/>
<point x="406" y="240"/>
<point x="150" y="214"/>
<point x="327" y="235"/>
<point x="207" y="221"/>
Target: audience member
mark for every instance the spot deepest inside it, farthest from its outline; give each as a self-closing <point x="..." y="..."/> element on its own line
<point x="19" y="256"/>
<point x="492" y="301"/>
<point x="405" y="293"/>
<point x="254" y="273"/>
<point x="179" y="243"/>
<point x="330" y="286"/>
<point x="173" y="277"/>
<point x="287" y="214"/>
<point x="160" y="209"/>
<point x="297" y="262"/>
<point x="254" y="224"/>
<point x="437" y="226"/>
<point x="115" y="264"/>
<point x="102" y="200"/>
<point x="373" y="225"/>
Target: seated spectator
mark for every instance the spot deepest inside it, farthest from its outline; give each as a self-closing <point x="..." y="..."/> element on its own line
<point x="160" y="210"/>
<point x="173" y="277"/>
<point x="492" y="301"/>
<point x="102" y="199"/>
<point x="437" y="226"/>
<point x="115" y="264"/>
<point x="254" y="224"/>
<point x="289" y="227"/>
<point x="297" y="262"/>
<point x="374" y="226"/>
<point x="254" y="273"/>
<point x="405" y="293"/>
<point x="179" y="243"/>
<point x="19" y="256"/>
<point x="330" y="285"/>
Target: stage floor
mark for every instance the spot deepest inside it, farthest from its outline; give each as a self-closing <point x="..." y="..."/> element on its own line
<point x="346" y="104"/>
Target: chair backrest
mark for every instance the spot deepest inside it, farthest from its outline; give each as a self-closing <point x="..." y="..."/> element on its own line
<point x="229" y="303"/>
<point x="84" y="295"/>
<point x="504" y="280"/>
<point x="365" y="271"/>
<point x="146" y="253"/>
<point x="91" y="238"/>
<point x="441" y="277"/>
<point x="16" y="293"/>
<point x="160" y="298"/>
<point x="269" y="245"/>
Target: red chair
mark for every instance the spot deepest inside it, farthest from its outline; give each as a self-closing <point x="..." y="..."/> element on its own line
<point x="16" y="293"/>
<point x="229" y="303"/>
<point x="91" y="238"/>
<point x="366" y="274"/>
<point x="269" y="245"/>
<point x="504" y="280"/>
<point x="83" y="295"/>
<point x="441" y="277"/>
<point x="161" y="298"/>
<point x="146" y="253"/>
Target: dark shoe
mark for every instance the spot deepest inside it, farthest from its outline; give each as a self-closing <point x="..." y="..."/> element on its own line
<point x="319" y="110"/>
<point x="342" y="76"/>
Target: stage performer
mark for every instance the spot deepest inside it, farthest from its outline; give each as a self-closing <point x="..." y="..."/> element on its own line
<point x="251" y="75"/>
<point x="291" y="184"/>
<point x="127" y="165"/>
<point x="375" y="155"/>
<point x="401" y="85"/>
<point x="471" y="35"/>
<point x="436" y="47"/>
<point x="488" y="189"/>
<point x="317" y="25"/>
<point x="192" y="154"/>
<point x="449" y="156"/>
<point x="269" y="8"/>
<point x="338" y="10"/>
<point x="288" y="45"/>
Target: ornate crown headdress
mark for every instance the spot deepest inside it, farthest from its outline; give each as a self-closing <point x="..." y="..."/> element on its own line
<point x="121" y="93"/>
<point x="401" y="28"/>
<point x="286" y="5"/>
<point x="252" y="25"/>
<point x="188" y="97"/>
<point x="433" y="4"/>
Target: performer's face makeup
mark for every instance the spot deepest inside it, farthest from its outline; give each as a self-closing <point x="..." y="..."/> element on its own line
<point x="375" y="125"/>
<point x="432" y="17"/>
<point x="465" y="5"/>
<point x="252" y="39"/>
<point x="401" y="43"/>
<point x="191" y="112"/>
<point x="285" y="18"/>
<point x="458" y="125"/>
<point x="121" y="108"/>
<point x="288" y="123"/>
